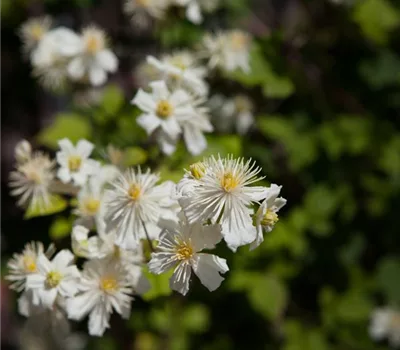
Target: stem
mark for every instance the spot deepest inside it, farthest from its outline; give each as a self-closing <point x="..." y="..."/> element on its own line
<point x="147" y="236"/>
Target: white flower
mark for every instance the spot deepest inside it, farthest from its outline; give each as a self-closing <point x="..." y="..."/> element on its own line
<point x="228" y="50"/>
<point x="53" y="278"/>
<point x="162" y="110"/>
<point x="33" y="30"/>
<point x="194" y="7"/>
<point x="266" y="216"/>
<point x="134" y="201"/>
<point x="145" y="73"/>
<point x="74" y="161"/>
<point x="181" y="70"/>
<point x="103" y="287"/>
<point x="22" y="265"/>
<point x="22" y="152"/>
<point x="180" y="249"/>
<point x="385" y="323"/>
<point x="141" y="11"/>
<point x="31" y="182"/>
<point x="223" y="195"/>
<point x="93" y="59"/>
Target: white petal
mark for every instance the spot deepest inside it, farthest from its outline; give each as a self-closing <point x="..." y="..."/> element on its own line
<point x="207" y="268"/>
<point x="66" y="146"/>
<point x="98" y="320"/>
<point x="161" y="262"/>
<point x="144" y="101"/>
<point x="244" y="121"/>
<point x="64" y="175"/>
<point x="97" y="75"/>
<point x="76" y="68"/>
<point x="160" y="90"/>
<point x="43" y="264"/>
<point x="194" y="139"/>
<point x="78" y="307"/>
<point x="237" y="236"/>
<point x="84" y="148"/>
<point x="149" y="122"/>
<point x="48" y="297"/>
<point x="62" y="259"/>
<point x="179" y="281"/>
<point x="107" y="60"/>
<point x="193" y="13"/>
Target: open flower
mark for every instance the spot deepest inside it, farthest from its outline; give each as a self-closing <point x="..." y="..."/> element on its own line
<point x="33" y="30"/>
<point x="134" y="202"/>
<point x="74" y="161"/>
<point x="228" y="50"/>
<point x="103" y="288"/>
<point x="267" y="214"/>
<point x="31" y="182"/>
<point x="180" y="248"/>
<point x="55" y="277"/>
<point x="93" y="59"/>
<point x="222" y="194"/>
<point x="142" y="11"/>
<point x="162" y="110"/>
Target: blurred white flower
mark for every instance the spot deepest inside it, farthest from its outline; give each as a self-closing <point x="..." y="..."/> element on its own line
<point x="228" y="50"/>
<point x="31" y="182"/>
<point x="142" y="11"/>
<point x="385" y="323"/>
<point x="181" y="70"/>
<point x="93" y="59"/>
<point x="55" y="277"/>
<point x="103" y="288"/>
<point x="22" y="152"/>
<point x="33" y="30"/>
<point x="223" y="195"/>
<point x="145" y="73"/>
<point x="180" y="248"/>
<point x="162" y="110"/>
<point x="194" y="8"/>
<point x="74" y="161"/>
<point x="134" y="201"/>
<point x="24" y="264"/>
<point x="266" y="216"/>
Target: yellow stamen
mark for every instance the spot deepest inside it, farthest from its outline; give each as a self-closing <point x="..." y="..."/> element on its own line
<point x="239" y="40"/>
<point x="29" y="264"/>
<point x="197" y="170"/>
<point x="93" y="45"/>
<point x="229" y="182"/>
<point x="184" y="250"/>
<point x="142" y="3"/>
<point x="270" y="218"/>
<point x="134" y="192"/>
<point x="164" y="109"/>
<point x="108" y="284"/>
<point x="92" y="205"/>
<point x="53" y="278"/>
<point x="74" y="163"/>
<point x="37" y="31"/>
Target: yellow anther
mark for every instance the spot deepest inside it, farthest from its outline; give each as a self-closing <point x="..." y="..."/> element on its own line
<point x="53" y="279"/>
<point x="108" y="284"/>
<point x="29" y="264"/>
<point x="197" y="170"/>
<point x="134" y="192"/>
<point x="184" y="250"/>
<point x="92" y="205"/>
<point x="270" y="218"/>
<point x="229" y="182"/>
<point x="93" y="44"/>
<point x="74" y="163"/>
<point x="164" y="109"/>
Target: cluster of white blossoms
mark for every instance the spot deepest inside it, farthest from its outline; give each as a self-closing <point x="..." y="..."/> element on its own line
<point x="118" y="213"/>
<point x="60" y="56"/>
<point x="142" y="12"/>
<point x="385" y="324"/>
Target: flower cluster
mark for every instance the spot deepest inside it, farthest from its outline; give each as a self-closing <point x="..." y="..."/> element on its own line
<point x="60" y="56"/>
<point x="142" y="12"/>
<point x="117" y="210"/>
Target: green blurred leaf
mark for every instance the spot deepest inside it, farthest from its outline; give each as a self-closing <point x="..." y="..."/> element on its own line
<point x="298" y="337"/>
<point x="159" y="285"/>
<point x="377" y="18"/>
<point x="60" y="228"/>
<point x="69" y="125"/>
<point x="388" y="276"/>
<point x="224" y="145"/>
<point x="134" y="156"/>
<point x="196" y="318"/>
<point x="113" y="99"/>
<point x="56" y="204"/>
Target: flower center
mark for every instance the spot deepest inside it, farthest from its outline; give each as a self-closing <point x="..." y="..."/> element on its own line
<point x="37" y="32"/>
<point x="34" y="176"/>
<point x="92" y="205"/>
<point x="93" y="44"/>
<point x="53" y="279"/>
<point x="184" y="251"/>
<point x="108" y="284"/>
<point x="134" y="192"/>
<point x="270" y="218"/>
<point x="229" y="182"/>
<point x="74" y="163"/>
<point x="29" y="264"/>
<point x="197" y="170"/>
<point x="239" y="41"/>
<point x="164" y="109"/>
<point x="142" y="3"/>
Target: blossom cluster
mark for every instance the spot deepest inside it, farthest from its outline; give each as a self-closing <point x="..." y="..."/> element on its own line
<point x="60" y="56"/>
<point x="120" y="211"/>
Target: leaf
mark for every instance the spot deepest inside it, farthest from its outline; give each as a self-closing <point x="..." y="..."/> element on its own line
<point x="388" y="276"/>
<point x="60" y="228"/>
<point x="196" y="318"/>
<point x="377" y="18"/>
<point x="56" y="204"/>
<point x="159" y="285"/>
<point x="134" y="156"/>
<point x="69" y="125"/>
<point x="113" y="99"/>
<point x="224" y="145"/>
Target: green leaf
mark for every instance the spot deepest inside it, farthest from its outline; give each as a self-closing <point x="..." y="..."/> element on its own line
<point x="388" y="276"/>
<point x="69" y="125"/>
<point x="134" y="156"/>
<point x="277" y="87"/>
<point x="113" y="99"/>
<point x="377" y="18"/>
<point x="159" y="285"/>
<point x="56" y="204"/>
<point x="196" y="318"/>
<point x="224" y="145"/>
<point x="60" y="228"/>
